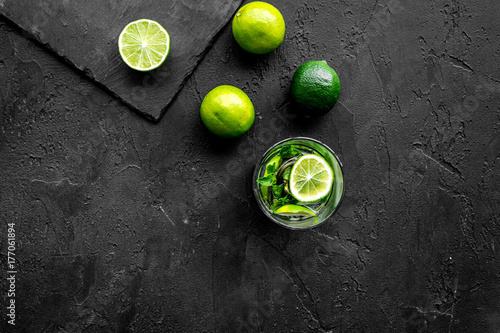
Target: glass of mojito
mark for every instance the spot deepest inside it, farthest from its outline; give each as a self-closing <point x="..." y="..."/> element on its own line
<point x="299" y="183"/>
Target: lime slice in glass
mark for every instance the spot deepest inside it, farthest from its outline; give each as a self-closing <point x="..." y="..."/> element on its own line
<point x="297" y="212"/>
<point x="294" y="211"/>
<point x="144" y="45"/>
<point x="311" y="178"/>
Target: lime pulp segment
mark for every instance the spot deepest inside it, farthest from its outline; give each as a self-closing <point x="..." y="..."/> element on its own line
<point x="311" y="178"/>
<point x="144" y="44"/>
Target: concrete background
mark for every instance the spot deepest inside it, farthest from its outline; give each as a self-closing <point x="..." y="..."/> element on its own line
<point x="123" y="225"/>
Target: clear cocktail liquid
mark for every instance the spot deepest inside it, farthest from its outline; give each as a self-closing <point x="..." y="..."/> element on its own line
<point x="323" y="208"/>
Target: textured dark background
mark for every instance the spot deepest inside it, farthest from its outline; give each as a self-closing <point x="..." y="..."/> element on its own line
<point x="128" y="226"/>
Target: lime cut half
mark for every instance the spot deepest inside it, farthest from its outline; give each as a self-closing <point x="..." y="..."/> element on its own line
<point x="311" y="178"/>
<point x="144" y="45"/>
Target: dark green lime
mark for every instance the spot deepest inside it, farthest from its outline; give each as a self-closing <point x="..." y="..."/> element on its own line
<point x="315" y="88"/>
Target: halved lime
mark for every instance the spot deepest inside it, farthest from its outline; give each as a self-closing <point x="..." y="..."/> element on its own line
<point x="311" y="179"/>
<point x="144" y="45"/>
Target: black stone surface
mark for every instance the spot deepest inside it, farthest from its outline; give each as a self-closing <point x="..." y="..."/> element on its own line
<point x="85" y="33"/>
<point x="128" y="226"/>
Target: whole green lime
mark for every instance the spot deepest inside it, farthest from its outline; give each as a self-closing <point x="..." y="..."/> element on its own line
<point x="258" y="27"/>
<point x="315" y="88"/>
<point x="227" y="111"/>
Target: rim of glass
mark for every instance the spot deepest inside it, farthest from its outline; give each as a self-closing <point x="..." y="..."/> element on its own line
<point x="269" y="214"/>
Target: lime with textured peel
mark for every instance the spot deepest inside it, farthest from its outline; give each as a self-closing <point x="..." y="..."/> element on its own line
<point x="315" y="88"/>
<point x="258" y="27"/>
<point x="144" y="45"/>
<point x="311" y="179"/>
<point x="227" y="111"/>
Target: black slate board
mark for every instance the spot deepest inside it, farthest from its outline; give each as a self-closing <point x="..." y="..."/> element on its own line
<point x="86" y="33"/>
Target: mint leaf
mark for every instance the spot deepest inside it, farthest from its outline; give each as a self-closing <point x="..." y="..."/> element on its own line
<point x="272" y="167"/>
<point x="268" y="180"/>
<point x="274" y="205"/>
<point x="286" y="174"/>
<point x="288" y="152"/>
<point x="288" y="199"/>
<point x="278" y="190"/>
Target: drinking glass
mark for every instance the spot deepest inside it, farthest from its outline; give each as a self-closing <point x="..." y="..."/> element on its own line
<point x="323" y="209"/>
